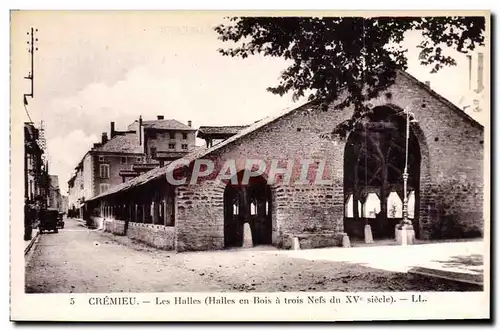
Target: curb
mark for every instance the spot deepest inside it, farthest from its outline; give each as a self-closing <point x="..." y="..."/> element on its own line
<point x="473" y="279"/>
<point x="32" y="241"/>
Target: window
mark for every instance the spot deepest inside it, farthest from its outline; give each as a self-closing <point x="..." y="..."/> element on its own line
<point x="104" y="187"/>
<point x="184" y="146"/>
<point x="235" y="208"/>
<point x="152" y="134"/>
<point x="104" y="170"/>
<point x="253" y="208"/>
<point x="139" y="159"/>
<point x="101" y="158"/>
<point x="124" y="160"/>
<point x="349" y="207"/>
<point x="171" y="135"/>
<point x="171" y="146"/>
<point x="153" y="151"/>
<point x="184" y="136"/>
<point x="371" y="206"/>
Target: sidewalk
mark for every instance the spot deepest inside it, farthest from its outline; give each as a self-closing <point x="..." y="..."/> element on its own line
<point x="459" y="260"/>
<point x="28" y="244"/>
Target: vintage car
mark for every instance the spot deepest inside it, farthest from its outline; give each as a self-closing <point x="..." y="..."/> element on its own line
<point x="48" y="220"/>
<point x="60" y="222"/>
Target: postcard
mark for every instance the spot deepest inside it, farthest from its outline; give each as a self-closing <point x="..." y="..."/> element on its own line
<point x="250" y="166"/>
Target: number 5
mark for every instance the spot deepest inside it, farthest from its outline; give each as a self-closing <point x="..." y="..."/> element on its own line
<point x="71" y="301"/>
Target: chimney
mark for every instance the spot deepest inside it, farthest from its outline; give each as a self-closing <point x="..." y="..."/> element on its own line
<point x="190" y="123"/>
<point x="480" y="72"/>
<point x="428" y="83"/>
<point x="112" y="130"/>
<point x="140" y="130"/>
<point x="104" y="138"/>
<point x="160" y="117"/>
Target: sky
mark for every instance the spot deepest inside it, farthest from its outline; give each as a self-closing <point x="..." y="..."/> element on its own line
<point x="95" y="67"/>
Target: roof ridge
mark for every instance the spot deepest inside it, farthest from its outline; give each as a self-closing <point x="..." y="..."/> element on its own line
<point x="441" y="98"/>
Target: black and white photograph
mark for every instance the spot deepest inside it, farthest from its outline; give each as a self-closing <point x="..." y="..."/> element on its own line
<point x="341" y="156"/>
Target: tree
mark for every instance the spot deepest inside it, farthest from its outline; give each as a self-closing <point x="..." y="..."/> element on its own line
<point x="360" y="55"/>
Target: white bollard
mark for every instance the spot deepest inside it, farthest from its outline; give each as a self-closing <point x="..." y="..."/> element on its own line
<point x="296" y="244"/>
<point x="346" y="243"/>
<point x="247" y="236"/>
<point x="368" y="234"/>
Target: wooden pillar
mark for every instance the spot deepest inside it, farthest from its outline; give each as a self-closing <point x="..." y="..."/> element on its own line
<point x="155" y="214"/>
<point x="156" y="207"/>
<point x="165" y="213"/>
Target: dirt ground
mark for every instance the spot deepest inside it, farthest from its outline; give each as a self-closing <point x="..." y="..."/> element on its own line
<point x="79" y="260"/>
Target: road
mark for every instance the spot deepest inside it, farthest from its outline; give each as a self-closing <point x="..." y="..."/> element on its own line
<point x="79" y="260"/>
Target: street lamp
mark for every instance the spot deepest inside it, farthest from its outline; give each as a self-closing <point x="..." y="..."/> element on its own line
<point x="406" y="223"/>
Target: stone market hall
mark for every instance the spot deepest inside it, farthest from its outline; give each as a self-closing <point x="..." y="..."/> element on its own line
<point x="362" y="180"/>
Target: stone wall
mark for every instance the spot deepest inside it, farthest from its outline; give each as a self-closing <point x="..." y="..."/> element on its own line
<point x="115" y="227"/>
<point x="452" y="174"/>
<point x="158" y="236"/>
<point x="311" y="209"/>
<point x="199" y="217"/>
<point x="308" y="211"/>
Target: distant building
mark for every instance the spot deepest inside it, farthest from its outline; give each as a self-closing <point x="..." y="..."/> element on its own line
<point x="64" y="206"/>
<point x="473" y="99"/>
<point x="54" y="198"/>
<point x="32" y="163"/>
<point x="127" y="154"/>
<point x="215" y="134"/>
<point x="159" y="141"/>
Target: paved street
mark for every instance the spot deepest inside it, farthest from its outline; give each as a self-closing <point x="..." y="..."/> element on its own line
<point x="81" y="260"/>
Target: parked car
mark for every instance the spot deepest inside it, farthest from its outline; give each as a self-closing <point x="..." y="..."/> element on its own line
<point x="48" y="220"/>
<point x="60" y="222"/>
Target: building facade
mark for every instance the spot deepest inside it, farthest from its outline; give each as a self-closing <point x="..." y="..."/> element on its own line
<point x="35" y="178"/>
<point x="473" y="100"/>
<point x="329" y="177"/>
<point x="54" y="197"/>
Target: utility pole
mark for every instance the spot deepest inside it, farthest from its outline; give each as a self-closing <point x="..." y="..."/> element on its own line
<point x="32" y="48"/>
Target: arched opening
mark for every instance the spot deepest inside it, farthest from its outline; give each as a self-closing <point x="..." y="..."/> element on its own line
<point x="374" y="162"/>
<point x="247" y="203"/>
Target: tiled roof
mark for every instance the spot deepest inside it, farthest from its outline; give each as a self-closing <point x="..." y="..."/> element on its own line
<point x="167" y="154"/>
<point x="170" y="124"/>
<point x="123" y="143"/>
<point x="223" y="130"/>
